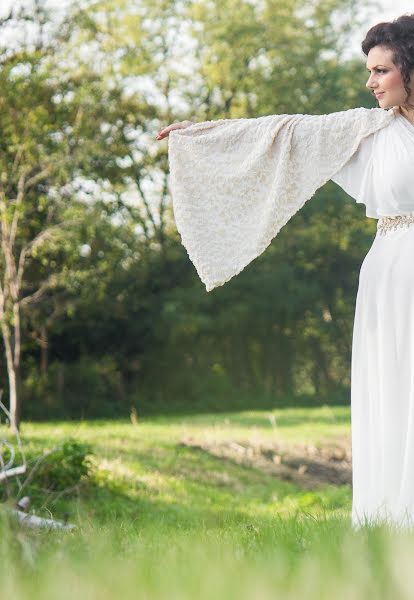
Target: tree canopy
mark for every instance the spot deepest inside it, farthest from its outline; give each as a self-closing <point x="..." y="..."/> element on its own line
<point x="100" y="307"/>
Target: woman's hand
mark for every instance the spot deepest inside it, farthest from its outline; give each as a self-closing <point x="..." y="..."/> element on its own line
<point x="180" y="125"/>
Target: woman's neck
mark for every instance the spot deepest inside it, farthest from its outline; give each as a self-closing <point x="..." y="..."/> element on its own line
<point x="408" y="113"/>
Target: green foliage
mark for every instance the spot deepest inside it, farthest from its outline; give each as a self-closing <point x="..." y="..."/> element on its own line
<point x="64" y="467"/>
<point x="161" y="520"/>
<point x="273" y="57"/>
<point x="76" y="390"/>
<point x="51" y="473"/>
<point x="113" y="301"/>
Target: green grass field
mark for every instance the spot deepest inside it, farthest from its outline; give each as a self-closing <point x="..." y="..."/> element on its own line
<point x="158" y="519"/>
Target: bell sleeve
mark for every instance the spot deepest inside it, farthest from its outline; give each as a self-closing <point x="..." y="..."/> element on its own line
<point x="356" y="177"/>
<point x="235" y="182"/>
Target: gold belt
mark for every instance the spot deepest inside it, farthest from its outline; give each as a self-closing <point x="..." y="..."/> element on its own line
<point x="385" y="224"/>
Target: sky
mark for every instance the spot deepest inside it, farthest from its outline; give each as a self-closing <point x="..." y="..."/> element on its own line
<point x="391" y="9"/>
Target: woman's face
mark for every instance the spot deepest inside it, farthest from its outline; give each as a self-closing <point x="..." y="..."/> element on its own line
<point x="385" y="79"/>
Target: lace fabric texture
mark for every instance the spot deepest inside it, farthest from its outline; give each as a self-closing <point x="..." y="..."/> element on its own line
<point x="236" y="182"/>
<point x="386" y="224"/>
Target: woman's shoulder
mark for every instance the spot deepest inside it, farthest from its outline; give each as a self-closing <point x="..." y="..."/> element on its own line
<point x="366" y="117"/>
<point x="374" y="111"/>
<point x="360" y="111"/>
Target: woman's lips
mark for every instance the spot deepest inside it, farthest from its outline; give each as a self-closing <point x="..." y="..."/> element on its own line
<point x="379" y="94"/>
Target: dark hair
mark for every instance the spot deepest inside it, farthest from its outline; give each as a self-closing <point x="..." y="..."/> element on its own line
<point x="398" y="36"/>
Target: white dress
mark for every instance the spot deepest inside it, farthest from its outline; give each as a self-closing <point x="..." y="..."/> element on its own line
<point x="381" y="175"/>
<point x="236" y="182"/>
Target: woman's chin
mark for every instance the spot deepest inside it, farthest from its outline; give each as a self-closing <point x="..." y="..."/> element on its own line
<point x="383" y="103"/>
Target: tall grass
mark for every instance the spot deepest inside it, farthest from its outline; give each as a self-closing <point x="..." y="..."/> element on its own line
<point x="290" y="559"/>
<point x="158" y="520"/>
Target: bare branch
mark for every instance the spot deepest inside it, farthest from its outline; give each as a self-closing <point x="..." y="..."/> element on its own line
<point x="48" y="234"/>
<point x="38" y="177"/>
<point x="1" y="299"/>
<point x="20" y="267"/>
<point x="17" y="333"/>
<point x="36" y="522"/>
<point x="12" y="472"/>
<point x="163" y="200"/>
<point x="146" y="204"/>
<point x="10" y="276"/>
<point x="13" y="228"/>
<point x="7" y="18"/>
<point x="17" y="158"/>
<point x="19" y="200"/>
<point x="39" y="293"/>
<point x="27" y="249"/>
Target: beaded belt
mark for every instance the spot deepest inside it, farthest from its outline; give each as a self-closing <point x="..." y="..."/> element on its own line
<point x="385" y="224"/>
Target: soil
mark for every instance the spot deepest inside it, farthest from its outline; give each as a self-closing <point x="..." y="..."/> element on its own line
<point x="305" y="464"/>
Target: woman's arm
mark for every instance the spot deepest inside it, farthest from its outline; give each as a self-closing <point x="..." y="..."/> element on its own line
<point x="236" y="182"/>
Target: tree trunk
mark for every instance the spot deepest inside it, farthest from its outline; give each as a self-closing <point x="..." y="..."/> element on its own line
<point x="15" y="398"/>
<point x="14" y="377"/>
<point x="44" y="355"/>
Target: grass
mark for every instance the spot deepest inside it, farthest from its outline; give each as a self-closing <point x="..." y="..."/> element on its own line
<point x="161" y="520"/>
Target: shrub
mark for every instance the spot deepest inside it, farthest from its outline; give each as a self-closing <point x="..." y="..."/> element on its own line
<point x="65" y="467"/>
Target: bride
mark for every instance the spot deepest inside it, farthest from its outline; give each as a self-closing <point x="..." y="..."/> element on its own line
<point x="236" y="182"/>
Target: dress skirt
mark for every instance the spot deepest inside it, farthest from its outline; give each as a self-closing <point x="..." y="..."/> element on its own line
<point x="382" y="383"/>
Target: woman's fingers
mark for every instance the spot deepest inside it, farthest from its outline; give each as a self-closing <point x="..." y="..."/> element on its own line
<point x="165" y="132"/>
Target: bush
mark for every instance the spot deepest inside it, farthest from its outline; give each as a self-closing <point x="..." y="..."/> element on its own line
<point x="64" y="468"/>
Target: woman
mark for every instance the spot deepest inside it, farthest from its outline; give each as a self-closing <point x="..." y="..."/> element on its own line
<point x="236" y="182"/>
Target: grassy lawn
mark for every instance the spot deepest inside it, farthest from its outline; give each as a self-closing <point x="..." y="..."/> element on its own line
<point x="159" y="519"/>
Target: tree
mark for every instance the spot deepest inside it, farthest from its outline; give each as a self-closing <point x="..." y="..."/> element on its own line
<point x="84" y="106"/>
<point x="52" y="121"/>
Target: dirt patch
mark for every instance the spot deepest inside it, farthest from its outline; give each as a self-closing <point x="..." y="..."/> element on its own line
<point x="305" y="464"/>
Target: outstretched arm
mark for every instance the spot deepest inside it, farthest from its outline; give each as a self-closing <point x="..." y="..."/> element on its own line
<point x="236" y="182"/>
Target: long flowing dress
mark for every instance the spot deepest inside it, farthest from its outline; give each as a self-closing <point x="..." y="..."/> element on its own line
<point x="236" y="182"/>
<point x="381" y="175"/>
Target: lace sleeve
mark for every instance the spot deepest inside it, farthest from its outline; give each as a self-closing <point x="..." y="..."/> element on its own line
<point x="236" y="182"/>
